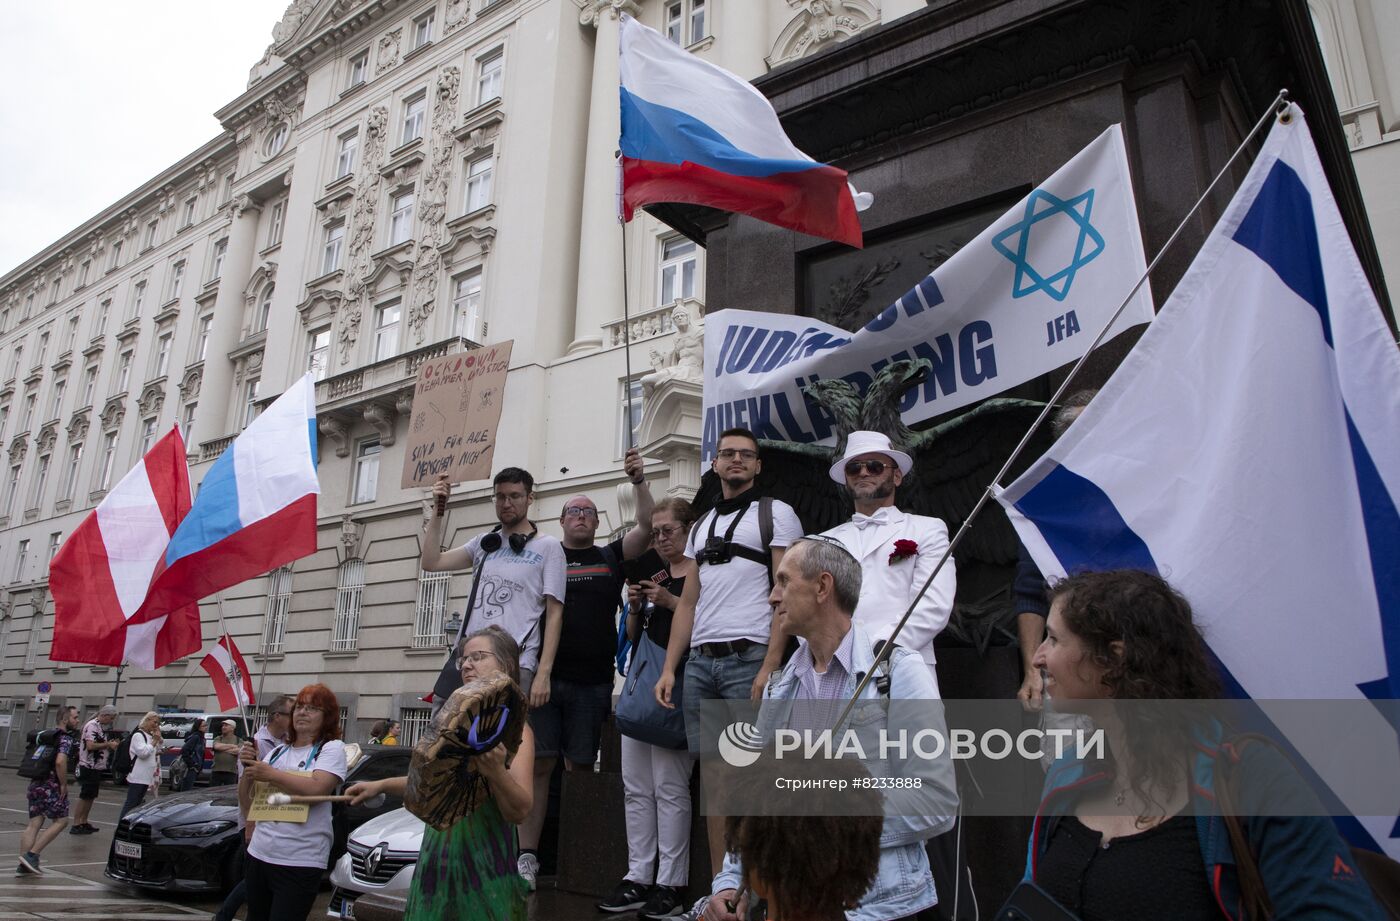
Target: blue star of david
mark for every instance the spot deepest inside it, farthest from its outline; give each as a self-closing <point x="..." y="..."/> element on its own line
<point x="1089" y="244"/>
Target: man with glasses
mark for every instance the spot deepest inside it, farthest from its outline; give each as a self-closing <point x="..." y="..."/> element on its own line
<point x="271" y="734"/>
<point x="723" y="619"/>
<point x="570" y="721"/>
<point x="897" y="551"/>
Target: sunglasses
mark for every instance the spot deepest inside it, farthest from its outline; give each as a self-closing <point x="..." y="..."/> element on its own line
<point x="876" y="467"/>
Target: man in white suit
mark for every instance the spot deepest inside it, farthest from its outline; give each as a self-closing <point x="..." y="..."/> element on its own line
<point x="897" y="551"/>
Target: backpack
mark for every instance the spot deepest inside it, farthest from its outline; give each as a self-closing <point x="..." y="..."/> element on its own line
<point x="40" y="754"/>
<point x="121" y="758"/>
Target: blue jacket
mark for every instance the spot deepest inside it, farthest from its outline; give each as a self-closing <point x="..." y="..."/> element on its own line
<point x="1307" y="869"/>
<point x="903" y="883"/>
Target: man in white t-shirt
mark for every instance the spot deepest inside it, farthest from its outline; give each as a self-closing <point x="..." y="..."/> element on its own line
<point x="724" y="621"/>
<point x="522" y="576"/>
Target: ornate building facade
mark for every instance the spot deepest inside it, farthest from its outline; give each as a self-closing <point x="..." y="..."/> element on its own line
<point x="399" y="180"/>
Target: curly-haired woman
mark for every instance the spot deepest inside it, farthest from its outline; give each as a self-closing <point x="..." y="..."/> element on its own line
<point x="286" y="859"/>
<point x="1138" y="834"/>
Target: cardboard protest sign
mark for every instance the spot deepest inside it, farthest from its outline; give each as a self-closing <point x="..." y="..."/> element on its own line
<point x="456" y="409"/>
<point x="260" y="810"/>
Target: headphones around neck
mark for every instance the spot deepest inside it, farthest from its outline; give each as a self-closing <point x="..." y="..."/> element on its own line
<point x="492" y="542"/>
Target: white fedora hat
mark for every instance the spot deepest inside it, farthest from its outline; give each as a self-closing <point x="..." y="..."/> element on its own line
<point x="869" y="443"/>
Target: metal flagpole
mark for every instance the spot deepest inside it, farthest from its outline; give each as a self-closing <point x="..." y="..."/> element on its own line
<point x="626" y="316"/>
<point x="1277" y="109"/>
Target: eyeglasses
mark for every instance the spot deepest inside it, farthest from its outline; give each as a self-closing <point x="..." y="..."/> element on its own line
<point x="668" y="531"/>
<point x="474" y="658"/>
<point x="743" y="454"/>
<point x="578" y="511"/>
<point x="876" y="467"/>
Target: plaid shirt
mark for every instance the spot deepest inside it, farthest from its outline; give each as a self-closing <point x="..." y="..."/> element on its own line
<point x="820" y="694"/>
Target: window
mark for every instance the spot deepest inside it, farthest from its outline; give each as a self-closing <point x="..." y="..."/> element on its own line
<point x="27" y="417"/>
<point x="72" y="335"/>
<point x="28" y="306"/>
<point x="629" y="414"/>
<point x="103" y="479"/>
<point x="685" y="21"/>
<point x="318" y="352"/>
<point x="264" y="310"/>
<point x="330" y="254"/>
<point x="177" y="279"/>
<point x="401" y="218"/>
<point x="432" y="603"/>
<point x="55" y="539"/>
<point x="163" y="355"/>
<point x="250" y="401"/>
<point x="123" y="371"/>
<point x="359" y="69"/>
<point x="413" y="112"/>
<point x="349" y="585"/>
<point x="201" y="337"/>
<point x="148" y="435"/>
<point x="89" y="384"/>
<point x="36" y="632"/>
<point x="678" y="258"/>
<point x="43" y="346"/>
<point x="103" y="310"/>
<point x="190" y="205"/>
<point x="17" y="358"/>
<point x="187" y="419"/>
<point x="489" y="73"/>
<point x="479" y="183"/>
<point x="5" y="641"/>
<point x="366" y="471"/>
<point x="20" y="559"/>
<point x="4" y="319"/>
<point x="41" y="480"/>
<point x="274" y="224"/>
<point x="276" y="140"/>
<point x="413" y="722"/>
<point x="386" y="331"/>
<point x="56" y="398"/>
<point x="466" y="307"/>
<point x="55" y="289"/>
<point x="216" y="264"/>
<point x="423" y="30"/>
<point x="116" y="255"/>
<point x="4" y="417"/>
<point x="83" y="271"/>
<point x="138" y="299"/>
<point x="11" y="489"/>
<point x="279" y="601"/>
<point x="70" y="471"/>
<point x="151" y="229"/>
<point x="345" y="155"/>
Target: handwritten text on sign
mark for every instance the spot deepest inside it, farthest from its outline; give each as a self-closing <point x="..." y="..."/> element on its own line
<point x="456" y="409"/>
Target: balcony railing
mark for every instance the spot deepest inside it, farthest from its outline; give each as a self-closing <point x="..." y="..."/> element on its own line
<point x="383" y="377"/>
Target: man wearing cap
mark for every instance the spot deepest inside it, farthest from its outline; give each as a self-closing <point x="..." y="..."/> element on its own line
<point x="93" y="754"/>
<point x="897" y="551"/>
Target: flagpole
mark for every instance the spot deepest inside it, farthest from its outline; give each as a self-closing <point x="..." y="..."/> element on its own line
<point x="626" y="316"/>
<point x="1277" y="109"/>
<point x="223" y="631"/>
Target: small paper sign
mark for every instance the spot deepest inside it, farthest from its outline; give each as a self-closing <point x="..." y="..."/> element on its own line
<point x="260" y="810"/>
<point x="456" y="409"/>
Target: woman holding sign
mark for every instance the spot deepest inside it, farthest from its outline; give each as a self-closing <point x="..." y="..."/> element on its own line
<point x="292" y="844"/>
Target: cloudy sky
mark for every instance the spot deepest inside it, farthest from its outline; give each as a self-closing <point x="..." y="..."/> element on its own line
<point x="99" y="97"/>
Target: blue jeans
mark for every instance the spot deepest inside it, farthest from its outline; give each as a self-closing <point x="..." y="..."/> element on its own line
<point x="708" y="678"/>
<point x="135" y="793"/>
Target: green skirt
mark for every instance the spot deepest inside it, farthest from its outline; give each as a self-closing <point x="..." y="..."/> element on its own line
<point x="468" y="872"/>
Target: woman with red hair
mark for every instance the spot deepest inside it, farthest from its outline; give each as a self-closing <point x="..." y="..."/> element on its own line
<point x="286" y="859"/>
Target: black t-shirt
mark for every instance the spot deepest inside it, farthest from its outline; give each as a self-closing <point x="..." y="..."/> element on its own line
<point x="588" y="640"/>
<point x="659" y="620"/>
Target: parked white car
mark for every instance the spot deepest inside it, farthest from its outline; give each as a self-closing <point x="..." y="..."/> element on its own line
<point x="379" y="857"/>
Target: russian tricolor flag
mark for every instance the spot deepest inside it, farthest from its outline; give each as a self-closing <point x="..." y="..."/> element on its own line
<point x="697" y="134"/>
<point x="256" y="508"/>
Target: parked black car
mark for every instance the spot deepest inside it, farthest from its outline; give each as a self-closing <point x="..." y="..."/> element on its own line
<point x="189" y="842"/>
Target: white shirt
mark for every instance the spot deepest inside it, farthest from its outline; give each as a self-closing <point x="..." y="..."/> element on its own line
<point x="514" y="587"/>
<point x="733" y="602"/>
<point x="145" y="759"/>
<point x="887" y="588"/>
<point x="295" y="844"/>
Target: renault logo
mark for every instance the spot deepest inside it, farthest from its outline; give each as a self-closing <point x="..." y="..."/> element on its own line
<point x="373" y="859"/>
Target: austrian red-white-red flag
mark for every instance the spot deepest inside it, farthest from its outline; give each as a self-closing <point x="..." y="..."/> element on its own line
<point x="226" y="667"/>
<point x="101" y="575"/>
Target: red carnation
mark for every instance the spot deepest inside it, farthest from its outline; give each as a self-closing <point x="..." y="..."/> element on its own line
<point x="903" y="549"/>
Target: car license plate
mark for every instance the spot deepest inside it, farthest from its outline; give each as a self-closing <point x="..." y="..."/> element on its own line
<point x="347" y="910"/>
<point x="128" y="850"/>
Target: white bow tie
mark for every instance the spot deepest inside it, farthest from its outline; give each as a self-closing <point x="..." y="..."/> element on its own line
<point x="864" y="521"/>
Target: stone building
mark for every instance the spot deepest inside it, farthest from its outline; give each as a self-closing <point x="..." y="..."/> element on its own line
<point x="399" y="180"/>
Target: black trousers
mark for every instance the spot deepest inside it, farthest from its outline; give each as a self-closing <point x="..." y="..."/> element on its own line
<point x="278" y="893"/>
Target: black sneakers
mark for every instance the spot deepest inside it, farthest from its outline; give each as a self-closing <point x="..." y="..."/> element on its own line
<point x="628" y="896"/>
<point x="664" y="902"/>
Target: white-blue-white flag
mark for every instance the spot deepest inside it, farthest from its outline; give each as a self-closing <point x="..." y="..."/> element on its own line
<point x="1248" y="450"/>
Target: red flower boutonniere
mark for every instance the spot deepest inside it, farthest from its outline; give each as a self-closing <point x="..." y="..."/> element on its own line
<point x="903" y="549"/>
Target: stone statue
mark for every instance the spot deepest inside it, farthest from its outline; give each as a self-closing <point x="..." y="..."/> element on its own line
<point x="686" y="360"/>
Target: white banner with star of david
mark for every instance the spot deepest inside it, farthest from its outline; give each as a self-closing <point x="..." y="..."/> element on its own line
<point x="1025" y="297"/>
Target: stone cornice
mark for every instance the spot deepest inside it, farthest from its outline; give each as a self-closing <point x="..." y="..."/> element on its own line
<point x="285" y="82"/>
<point x="331" y="37"/>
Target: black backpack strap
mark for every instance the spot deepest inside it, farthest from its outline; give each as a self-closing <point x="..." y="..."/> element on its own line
<point x="614" y="564"/>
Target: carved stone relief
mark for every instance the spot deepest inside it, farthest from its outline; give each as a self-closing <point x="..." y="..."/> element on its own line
<point x="437" y="182"/>
<point x="47" y="437"/>
<point x="247" y="366"/>
<point x="360" y="260"/>
<point x="190" y="384"/>
<point x="334" y="428"/>
<point x="456" y="16"/>
<point x="382" y="416"/>
<point x="820" y="23"/>
<point x="18" y="448"/>
<point x="152" y="400"/>
<point x="388" y="53"/>
<point x="78" y="425"/>
<point x="112" y="414"/>
<point x="594" y="10"/>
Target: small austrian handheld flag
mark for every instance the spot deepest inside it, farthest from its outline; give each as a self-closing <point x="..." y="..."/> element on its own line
<point x="229" y="672"/>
